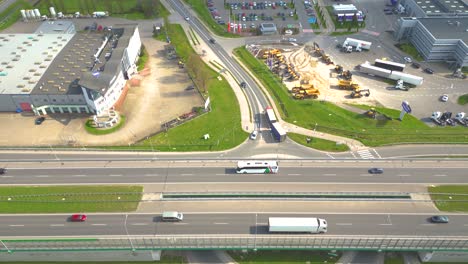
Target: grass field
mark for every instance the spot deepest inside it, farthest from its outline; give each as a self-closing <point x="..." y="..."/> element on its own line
<point x="410" y="50"/>
<point x="283" y="257"/>
<point x="318" y="143"/>
<point x="338" y="121"/>
<point x="393" y="258"/>
<point x="127" y="9"/>
<point x="12" y="13"/>
<point x="69" y="199"/>
<point x="463" y="99"/>
<point x="143" y="59"/>
<point x="457" y="193"/>
<point x="203" y="13"/>
<point x="165" y="259"/>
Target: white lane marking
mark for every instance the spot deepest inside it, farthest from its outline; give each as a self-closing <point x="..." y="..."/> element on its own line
<point x="385" y="224"/>
<point x="149" y="175"/>
<point x="344" y="224"/>
<point x="15" y="225"/>
<point x="366" y="175"/>
<point x="221" y="174"/>
<point x="465" y="225"/>
<point x="440" y="175"/>
<point x="428" y="224"/>
<point x="180" y="223"/>
<point x="329" y="174"/>
<point x="115" y="175"/>
<point x="186" y="174"/>
<point x="42" y="176"/>
<point x="99" y="224"/>
<point x="221" y="223"/>
<point x="404" y="175"/>
<point x="79" y="175"/>
<point x="294" y="174"/>
<point x="139" y="224"/>
<point x="57" y="225"/>
<point x="7" y="176"/>
<point x="262" y="223"/>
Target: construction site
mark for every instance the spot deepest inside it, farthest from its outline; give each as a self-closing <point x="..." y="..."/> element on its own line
<point x="309" y="73"/>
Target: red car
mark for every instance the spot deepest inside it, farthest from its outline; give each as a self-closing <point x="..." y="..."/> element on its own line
<point x="78" y="218"/>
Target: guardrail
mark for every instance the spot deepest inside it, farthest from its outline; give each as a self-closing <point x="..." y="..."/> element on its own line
<point x="249" y="242"/>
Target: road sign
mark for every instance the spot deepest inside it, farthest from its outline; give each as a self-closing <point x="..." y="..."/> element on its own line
<point x="406" y="107"/>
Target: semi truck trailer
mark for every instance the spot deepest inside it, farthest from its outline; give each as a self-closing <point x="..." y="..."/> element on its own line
<point x="357" y="44"/>
<point x="297" y="225"/>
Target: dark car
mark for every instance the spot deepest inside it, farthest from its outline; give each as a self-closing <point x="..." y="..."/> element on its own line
<point x="78" y="218"/>
<point x="212" y="41"/>
<point x="243" y="84"/>
<point x="39" y="120"/>
<point x="428" y="70"/>
<point x="2" y="171"/>
<point x="376" y="171"/>
<point x="416" y="65"/>
<point x="440" y="219"/>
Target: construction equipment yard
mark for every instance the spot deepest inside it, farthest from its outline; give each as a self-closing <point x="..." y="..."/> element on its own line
<point x="310" y="74"/>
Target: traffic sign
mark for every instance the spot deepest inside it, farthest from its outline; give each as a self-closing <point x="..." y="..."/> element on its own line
<point x="406" y="107"/>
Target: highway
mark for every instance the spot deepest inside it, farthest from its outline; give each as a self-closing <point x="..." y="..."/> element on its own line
<point x="134" y="174"/>
<point x="210" y="224"/>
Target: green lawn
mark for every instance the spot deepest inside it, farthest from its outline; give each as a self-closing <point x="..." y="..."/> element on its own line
<point x="445" y="193"/>
<point x="410" y="50"/>
<point x="69" y="199"/>
<point x="283" y="257"/>
<point x="127" y="9"/>
<point x="165" y="259"/>
<point x="393" y="258"/>
<point x="98" y="131"/>
<point x="201" y="9"/>
<point x="463" y="99"/>
<point x="318" y="143"/>
<point x="12" y="13"/>
<point x="338" y="121"/>
<point x="143" y="59"/>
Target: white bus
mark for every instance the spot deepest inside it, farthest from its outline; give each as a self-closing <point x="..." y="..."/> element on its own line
<point x="254" y="166"/>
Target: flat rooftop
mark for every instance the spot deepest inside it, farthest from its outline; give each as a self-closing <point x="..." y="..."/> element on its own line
<point x="447" y="28"/>
<point x="443" y="6"/>
<point x="25" y="58"/>
<point x="56" y="27"/>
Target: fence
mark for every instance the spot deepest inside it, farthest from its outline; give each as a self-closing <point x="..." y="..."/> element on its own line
<point x="250" y="242"/>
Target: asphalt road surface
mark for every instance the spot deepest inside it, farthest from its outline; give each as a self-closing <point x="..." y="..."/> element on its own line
<point x="211" y="224"/>
<point x="79" y="175"/>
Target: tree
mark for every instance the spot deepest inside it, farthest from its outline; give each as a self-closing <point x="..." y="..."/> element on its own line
<point x="199" y="72"/>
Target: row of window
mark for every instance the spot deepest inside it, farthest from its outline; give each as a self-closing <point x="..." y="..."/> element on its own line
<point x="55" y="100"/>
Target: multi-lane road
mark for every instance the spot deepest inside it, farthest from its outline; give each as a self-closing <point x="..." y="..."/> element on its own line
<point x="394" y="172"/>
<point x="211" y="224"/>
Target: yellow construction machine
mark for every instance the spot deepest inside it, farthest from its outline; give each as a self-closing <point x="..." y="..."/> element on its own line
<point x="371" y="113"/>
<point x="308" y="93"/>
<point x="348" y="85"/>
<point x="360" y="93"/>
<point x="347" y="75"/>
<point x="339" y="69"/>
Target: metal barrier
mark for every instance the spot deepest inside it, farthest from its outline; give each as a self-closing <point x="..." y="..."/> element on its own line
<point x="249" y="242"/>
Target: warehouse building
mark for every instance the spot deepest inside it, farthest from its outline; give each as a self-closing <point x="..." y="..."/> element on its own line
<point x="57" y="70"/>
<point x="437" y="38"/>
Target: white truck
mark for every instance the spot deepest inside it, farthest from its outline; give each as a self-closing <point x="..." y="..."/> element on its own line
<point x="358" y="45"/>
<point x="375" y="71"/>
<point x="297" y="225"/>
<point x="407" y="78"/>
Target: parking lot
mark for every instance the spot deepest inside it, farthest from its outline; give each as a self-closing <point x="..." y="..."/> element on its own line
<point x="246" y="17"/>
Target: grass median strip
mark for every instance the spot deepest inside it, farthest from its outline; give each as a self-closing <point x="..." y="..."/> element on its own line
<point x="348" y="196"/>
<point x="69" y="199"/>
<point x="450" y="198"/>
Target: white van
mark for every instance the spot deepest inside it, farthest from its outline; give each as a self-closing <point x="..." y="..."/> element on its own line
<point x="172" y="216"/>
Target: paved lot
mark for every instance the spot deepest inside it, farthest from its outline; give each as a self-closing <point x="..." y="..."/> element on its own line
<point x="251" y="16"/>
<point x="160" y="97"/>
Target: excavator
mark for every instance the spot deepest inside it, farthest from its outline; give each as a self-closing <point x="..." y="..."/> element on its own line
<point x="360" y="93"/>
<point x="339" y="69"/>
<point x="321" y="53"/>
<point x="347" y="75"/>
<point x="348" y="85"/>
<point x="372" y="113"/>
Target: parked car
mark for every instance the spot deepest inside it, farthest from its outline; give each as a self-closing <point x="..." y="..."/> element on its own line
<point x="254" y="135"/>
<point x="444" y="98"/>
<point x="408" y="59"/>
<point x="39" y="120"/>
<point x="78" y="218"/>
<point x="416" y="65"/>
<point x="428" y="70"/>
<point x="440" y="219"/>
<point x="376" y="171"/>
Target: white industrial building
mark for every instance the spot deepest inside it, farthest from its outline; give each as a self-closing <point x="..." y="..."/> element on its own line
<point x="57" y="70"/>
